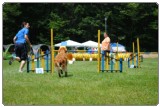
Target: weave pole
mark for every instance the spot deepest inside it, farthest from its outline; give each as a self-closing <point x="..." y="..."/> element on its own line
<point x="116" y="63"/>
<point x="38" y="59"/>
<point x="28" y="64"/>
<point x="52" y="53"/>
<point x="47" y="61"/>
<point x="32" y="63"/>
<point x="42" y="61"/>
<point x="133" y="57"/>
<point x="138" y="49"/>
<point x="99" y="63"/>
<point x="107" y="61"/>
<point x="136" y="57"/>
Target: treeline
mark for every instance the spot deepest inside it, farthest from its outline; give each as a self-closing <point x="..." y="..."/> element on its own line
<point x="80" y="22"/>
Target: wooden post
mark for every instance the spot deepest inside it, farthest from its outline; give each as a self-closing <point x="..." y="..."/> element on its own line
<point x="99" y="64"/>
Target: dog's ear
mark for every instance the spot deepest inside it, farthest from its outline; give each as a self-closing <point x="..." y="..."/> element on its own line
<point x="59" y="49"/>
<point x="65" y="49"/>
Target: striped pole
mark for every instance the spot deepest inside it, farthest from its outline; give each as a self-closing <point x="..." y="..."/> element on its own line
<point x="99" y="63"/>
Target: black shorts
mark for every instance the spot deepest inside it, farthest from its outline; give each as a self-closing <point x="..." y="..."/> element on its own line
<point x="106" y="51"/>
<point x="21" y="51"/>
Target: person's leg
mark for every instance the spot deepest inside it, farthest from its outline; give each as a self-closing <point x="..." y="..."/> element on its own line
<point x="102" y="60"/>
<point x="109" y="58"/>
<point x="23" y="62"/>
<point x="17" y="58"/>
<point x="18" y="55"/>
<point x="23" y="57"/>
<point x="18" y="52"/>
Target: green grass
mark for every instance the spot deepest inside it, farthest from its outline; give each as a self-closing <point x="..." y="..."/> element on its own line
<point x="84" y="86"/>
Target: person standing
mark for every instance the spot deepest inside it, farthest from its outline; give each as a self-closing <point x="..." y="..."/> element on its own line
<point x="20" y="40"/>
<point x="106" y="43"/>
<point x="106" y="46"/>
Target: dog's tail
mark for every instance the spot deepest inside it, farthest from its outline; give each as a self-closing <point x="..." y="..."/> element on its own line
<point x="69" y="56"/>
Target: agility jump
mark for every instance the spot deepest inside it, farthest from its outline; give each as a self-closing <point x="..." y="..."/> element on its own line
<point x="104" y="60"/>
<point x="40" y="61"/>
<point x="135" y="58"/>
<point x="116" y="63"/>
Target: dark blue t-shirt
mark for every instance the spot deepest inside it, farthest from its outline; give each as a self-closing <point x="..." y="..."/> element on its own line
<point x="21" y="35"/>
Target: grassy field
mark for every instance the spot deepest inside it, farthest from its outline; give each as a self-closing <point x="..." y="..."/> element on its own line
<point x="84" y="86"/>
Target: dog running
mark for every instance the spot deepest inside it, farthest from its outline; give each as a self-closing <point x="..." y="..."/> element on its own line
<point x="61" y="61"/>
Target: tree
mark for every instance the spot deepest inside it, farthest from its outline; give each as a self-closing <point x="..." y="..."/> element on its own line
<point x="10" y="28"/>
<point x="80" y="22"/>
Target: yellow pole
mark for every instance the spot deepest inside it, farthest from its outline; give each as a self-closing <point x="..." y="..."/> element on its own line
<point x="134" y="57"/>
<point x="52" y="52"/>
<point x="117" y="47"/>
<point x="99" y="64"/>
<point x="116" y="63"/>
<point x="42" y="60"/>
<point x="107" y="59"/>
<point x="133" y="47"/>
<point x="32" y="65"/>
<point x="138" y="49"/>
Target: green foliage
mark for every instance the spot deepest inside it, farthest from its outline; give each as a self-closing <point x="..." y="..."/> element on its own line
<point x="10" y="13"/>
<point x="80" y="22"/>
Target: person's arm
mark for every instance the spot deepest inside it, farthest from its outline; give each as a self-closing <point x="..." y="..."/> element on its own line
<point x="28" y="41"/>
<point x="14" y="39"/>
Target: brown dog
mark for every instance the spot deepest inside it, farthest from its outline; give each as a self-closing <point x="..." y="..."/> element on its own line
<point x="61" y="61"/>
